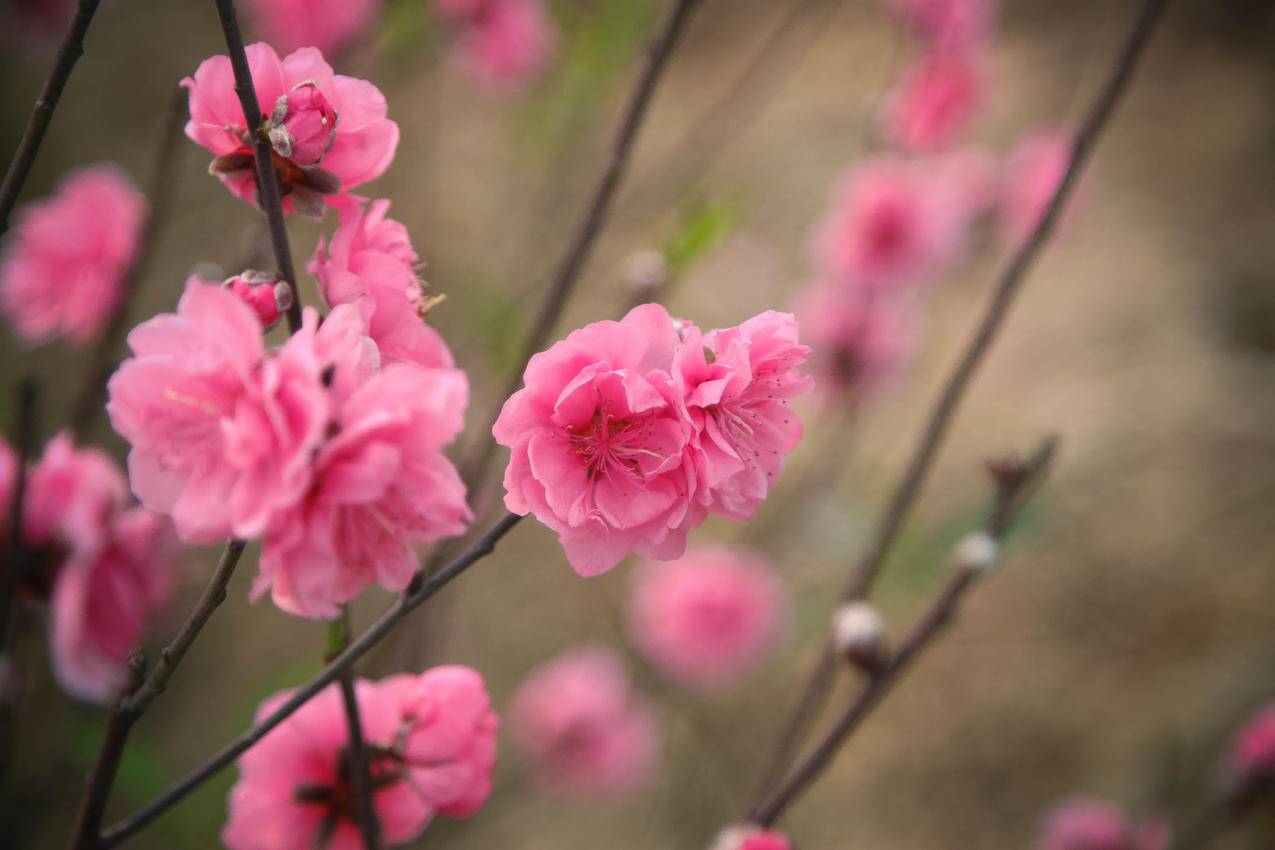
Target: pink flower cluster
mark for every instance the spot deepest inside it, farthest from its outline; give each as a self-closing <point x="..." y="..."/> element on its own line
<point x="63" y="272"/>
<point x="329" y="133"/>
<point x="582" y="728"/>
<point x="1087" y="824"/>
<point x="703" y="619"/>
<point x="628" y="434"/>
<point x="431" y="742"/>
<point x="101" y="566"/>
<point x="502" y="43"/>
<point x="328" y="25"/>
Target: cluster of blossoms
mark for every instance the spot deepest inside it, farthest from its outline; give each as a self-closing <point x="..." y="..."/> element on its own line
<point x="431" y="746"/>
<point x="627" y="434"/>
<point x="1088" y="824"/>
<point x="902" y="218"/>
<point x="101" y="566"/>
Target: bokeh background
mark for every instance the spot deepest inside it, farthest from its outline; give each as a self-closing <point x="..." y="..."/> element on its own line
<point x="1131" y="625"/>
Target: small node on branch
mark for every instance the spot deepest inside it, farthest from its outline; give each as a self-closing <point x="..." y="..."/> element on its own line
<point x="858" y="633"/>
<point x="977" y="552"/>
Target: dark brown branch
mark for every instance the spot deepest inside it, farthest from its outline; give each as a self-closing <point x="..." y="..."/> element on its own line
<point x="268" y="192"/>
<point x="360" y="647"/>
<point x="369" y="827"/>
<point x="945" y="407"/>
<point x="24" y="447"/>
<point x="68" y="54"/>
<point x="101" y="360"/>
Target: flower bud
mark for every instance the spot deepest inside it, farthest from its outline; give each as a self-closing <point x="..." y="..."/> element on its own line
<point x="647" y="273"/>
<point x="268" y="296"/>
<point x="976" y="551"/>
<point x="303" y="125"/>
<point x="859" y="634"/>
<point x="1250" y="763"/>
<point x="749" y="837"/>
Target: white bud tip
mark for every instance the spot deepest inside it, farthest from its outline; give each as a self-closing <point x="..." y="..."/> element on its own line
<point x="648" y="269"/>
<point x="857" y="626"/>
<point x="731" y="837"/>
<point x="977" y="550"/>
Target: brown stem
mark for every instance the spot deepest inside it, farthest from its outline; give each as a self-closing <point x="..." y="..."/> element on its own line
<point x="267" y="181"/>
<point x="945" y="406"/>
<point x="101" y="360"/>
<point x="23" y="442"/>
<point x="369" y="827"/>
<point x="68" y="54"/>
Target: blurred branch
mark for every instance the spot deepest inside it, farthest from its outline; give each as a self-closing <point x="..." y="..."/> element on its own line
<point x="101" y="360"/>
<point x="369" y="828"/>
<point x="23" y="442"/>
<point x="945" y="406"/>
<point x="1015" y="482"/>
<point x="68" y="54"/>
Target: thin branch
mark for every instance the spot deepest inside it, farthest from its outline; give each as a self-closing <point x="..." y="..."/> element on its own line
<point x="101" y="360"/>
<point x="267" y="180"/>
<point x="945" y="407"/>
<point x="1012" y="493"/>
<point x="369" y="827"/>
<point x="68" y="54"/>
<point x="23" y="443"/>
<point x="481" y="548"/>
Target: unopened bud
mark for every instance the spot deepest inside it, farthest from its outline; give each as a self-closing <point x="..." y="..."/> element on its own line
<point x="977" y="551"/>
<point x="302" y="125"/>
<point x="647" y="272"/>
<point x="859" y="634"/>
<point x="749" y="837"/>
<point x="268" y="296"/>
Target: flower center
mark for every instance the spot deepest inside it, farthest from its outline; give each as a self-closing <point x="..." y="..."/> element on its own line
<point x="609" y="442"/>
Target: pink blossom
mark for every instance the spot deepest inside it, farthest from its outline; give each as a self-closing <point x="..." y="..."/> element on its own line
<point x="370" y="263"/>
<point x="706" y="617"/>
<point x="431" y="741"/>
<point x="584" y="731"/>
<point x="267" y="296"/>
<point x="970" y="177"/>
<point x="503" y="43"/>
<point x="1252" y="752"/>
<point x="1087" y="824"/>
<point x="328" y="25"/>
<point x="63" y="272"/>
<point x="355" y="145"/>
<point x="860" y="338"/>
<point x="890" y="226"/>
<point x="598" y="437"/>
<point x="738" y="382"/>
<point x="933" y="103"/>
<point x="1031" y="176"/>
<point x="749" y="837"/>
<point x="948" y="24"/>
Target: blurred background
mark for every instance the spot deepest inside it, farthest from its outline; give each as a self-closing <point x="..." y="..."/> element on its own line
<point x="1131" y="624"/>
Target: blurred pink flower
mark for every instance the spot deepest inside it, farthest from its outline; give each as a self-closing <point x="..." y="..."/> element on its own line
<point x="503" y="43"/>
<point x="63" y="272"/>
<point x="328" y="25"/>
<point x="948" y="24"/>
<point x="585" y="733"/>
<point x="267" y="296"/>
<point x="933" y="103"/>
<point x="706" y="617"/>
<point x="749" y="837"/>
<point x="1031" y="176"/>
<point x="1087" y="824"/>
<point x="72" y="497"/>
<point x="302" y="91"/>
<point x="598" y="437"/>
<point x="1252" y="752"/>
<point x="889" y="226"/>
<point x="431" y="741"/>
<point x="860" y="338"/>
<point x="370" y="263"/>
<point x="737" y="383"/>
<point x="970" y="177"/>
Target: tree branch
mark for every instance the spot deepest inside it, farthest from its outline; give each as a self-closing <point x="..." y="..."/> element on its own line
<point x="23" y="443"/>
<point x="369" y="827"/>
<point x="68" y="54"/>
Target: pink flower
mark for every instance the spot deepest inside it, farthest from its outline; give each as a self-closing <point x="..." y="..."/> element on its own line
<point x="749" y="837"/>
<point x="585" y="733"/>
<point x="1086" y="824"/>
<point x="890" y="226"/>
<point x="1031" y="176"/>
<point x="860" y="338"/>
<point x="948" y="24"/>
<point x="598" y="437"/>
<point x="933" y="103"/>
<point x="969" y="177"/>
<point x="63" y="272"/>
<point x="1252" y="752"/>
<point x="704" y="618"/>
<point x="328" y="25"/>
<point x="332" y="127"/>
<point x="431" y="741"/>
<point x="737" y="383"/>
<point x="503" y="43"/>
<point x="267" y="296"/>
<point x="370" y="263"/>
<point x="380" y="484"/>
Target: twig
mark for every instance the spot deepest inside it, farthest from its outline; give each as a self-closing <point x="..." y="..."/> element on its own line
<point x="369" y="827"/>
<point x="949" y="399"/>
<point x="101" y="360"/>
<point x="227" y="755"/>
<point x="1011" y="494"/>
<point x="23" y="442"/>
<point x="68" y="54"/>
<point x="267" y="180"/>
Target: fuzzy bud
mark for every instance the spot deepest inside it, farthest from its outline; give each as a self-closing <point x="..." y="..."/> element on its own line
<point x="976" y="551"/>
<point x="303" y="125"/>
<point x="268" y="296"/>
<point x="749" y="837"/>
<point x="647" y="273"/>
<point x="859" y="634"/>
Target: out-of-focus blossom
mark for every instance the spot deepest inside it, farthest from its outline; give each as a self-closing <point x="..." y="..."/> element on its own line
<point x="859" y="338"/>
<point x="598" y="435"/>
<point x="1031" y="176"/>
<point x="737" y="382"/>
<point x="431" y="743"/>
<point x="948" y="24"/>
<point x="63" y="272"/>
<point x="1086" y="824"/>
<point x="933" y="103"/>
<point x="970" y="177"/>
<point x="706" y="617"/>
<point x="748" y="837"/>
<point x="328" y="25"/>
<point x="267" y="296"/>
<point x="1251" y="758"/>
<point x="584" y="731"/>
<point x="330" y="132"/>
<point x="503" y="43"/>
<point x="370" y="263"/>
